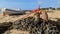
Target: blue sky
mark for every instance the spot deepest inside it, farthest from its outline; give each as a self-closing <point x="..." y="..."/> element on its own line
<point x="29" y="4"/>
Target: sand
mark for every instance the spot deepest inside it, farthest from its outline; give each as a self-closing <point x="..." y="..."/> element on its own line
<point x="51" y="15"/>
<point x="54" y="15"/>
<point x="13" y="18"/>
<point x="14" y="31"/>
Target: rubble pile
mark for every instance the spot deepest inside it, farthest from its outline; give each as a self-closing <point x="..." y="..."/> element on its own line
<point x="34" y="27"/>
<point x="28" y="24"/>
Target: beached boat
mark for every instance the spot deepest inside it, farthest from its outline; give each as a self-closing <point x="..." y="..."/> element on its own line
<point x="14" y="12"/>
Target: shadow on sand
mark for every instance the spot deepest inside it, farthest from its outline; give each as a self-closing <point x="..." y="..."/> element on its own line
<point x="4" y="27"/>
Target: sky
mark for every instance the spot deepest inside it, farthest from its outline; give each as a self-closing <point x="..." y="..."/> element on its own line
<point x="29" y="4"/>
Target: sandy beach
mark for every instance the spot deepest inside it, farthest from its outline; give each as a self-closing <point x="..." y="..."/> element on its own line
<point x="55" y="15"/>
<point x="51" y="15"/>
